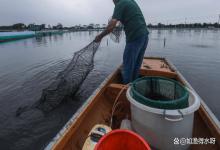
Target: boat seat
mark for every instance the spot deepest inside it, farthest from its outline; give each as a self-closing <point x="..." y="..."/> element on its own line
<point x="157" y="67"/>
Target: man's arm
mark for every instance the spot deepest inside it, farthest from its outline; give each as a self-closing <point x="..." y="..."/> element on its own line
<point x="111" y="25"/>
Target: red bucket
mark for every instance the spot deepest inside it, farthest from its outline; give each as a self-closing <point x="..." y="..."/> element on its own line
<point x="122" y="140"/>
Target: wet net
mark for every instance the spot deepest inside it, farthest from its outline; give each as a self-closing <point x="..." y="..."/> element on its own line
<point x="68" y="81"/>
<point x="115" y="35"/>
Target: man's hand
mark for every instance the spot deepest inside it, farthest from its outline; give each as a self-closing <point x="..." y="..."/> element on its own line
<point x="109" y="28"/>
<point x="98" y="38"/>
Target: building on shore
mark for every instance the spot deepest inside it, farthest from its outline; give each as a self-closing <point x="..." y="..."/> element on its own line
<point x="34" y="27"/>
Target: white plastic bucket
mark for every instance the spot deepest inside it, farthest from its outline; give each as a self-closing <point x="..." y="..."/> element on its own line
<point x="164" y="129"/>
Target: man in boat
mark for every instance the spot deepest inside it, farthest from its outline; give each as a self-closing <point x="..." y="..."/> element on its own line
<point x="130" y="15"/>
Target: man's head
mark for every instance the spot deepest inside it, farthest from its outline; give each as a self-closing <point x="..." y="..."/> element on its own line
<point x="115" y="1"/>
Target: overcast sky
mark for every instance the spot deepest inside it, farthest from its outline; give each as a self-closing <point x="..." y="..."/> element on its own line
<point x="72" y="12"/>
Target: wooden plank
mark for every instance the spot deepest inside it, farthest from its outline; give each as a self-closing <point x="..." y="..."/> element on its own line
<point x="113" y="90"/>
<point x="210" y="124"/>
<point x="145" y="72"/>
<point x="200" y="131"/>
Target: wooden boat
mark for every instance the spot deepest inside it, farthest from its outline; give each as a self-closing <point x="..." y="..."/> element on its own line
<point x="97" y="110"/>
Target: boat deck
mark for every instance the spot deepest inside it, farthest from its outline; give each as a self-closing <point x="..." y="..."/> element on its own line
<point x="156" y="64"/>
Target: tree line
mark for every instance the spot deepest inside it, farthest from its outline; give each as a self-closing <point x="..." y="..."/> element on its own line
<point x="31" y="27"/>
<point x="59" y="26"/>
<point x="186" y="25"/>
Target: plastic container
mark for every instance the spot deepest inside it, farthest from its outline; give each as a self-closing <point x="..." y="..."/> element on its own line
<point x="160" y="92"/>
<point x="161" y="127"/>
<point x="4" y="36"/>
<point x="126" y="124"/>
<point x="122" y="140"/>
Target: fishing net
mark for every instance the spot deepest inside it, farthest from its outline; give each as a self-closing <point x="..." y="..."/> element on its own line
<point x="115" y="35"/>
<point x="68" y="81"/>
<point x="159" y="92"/>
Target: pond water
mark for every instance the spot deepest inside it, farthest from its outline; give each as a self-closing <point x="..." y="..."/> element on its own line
<point x="27" y="66"/>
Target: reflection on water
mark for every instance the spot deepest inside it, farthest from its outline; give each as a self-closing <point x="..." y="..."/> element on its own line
<point x="27" y="66"/>
<point x="201" y="46"/>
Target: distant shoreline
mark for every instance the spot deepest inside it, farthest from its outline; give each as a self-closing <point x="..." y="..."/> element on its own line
<point x="100" y="29"/>
<point x="11" y="35"/>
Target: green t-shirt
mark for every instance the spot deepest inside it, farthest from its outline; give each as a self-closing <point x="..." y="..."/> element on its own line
<point x="130" y="15"/>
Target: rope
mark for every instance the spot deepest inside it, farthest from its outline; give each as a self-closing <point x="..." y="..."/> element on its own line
<point x="116" y="103"/>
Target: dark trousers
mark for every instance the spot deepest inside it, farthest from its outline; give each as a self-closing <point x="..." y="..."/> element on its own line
<point x="133" y="57"/>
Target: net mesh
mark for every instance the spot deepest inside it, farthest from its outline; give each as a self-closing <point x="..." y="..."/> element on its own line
<point x="68" y="81"/>
<point x="116" y="33"/>
<point x="160" y="93"/>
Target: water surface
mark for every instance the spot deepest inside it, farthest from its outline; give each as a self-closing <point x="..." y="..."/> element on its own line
<point x="27" y="66"/>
